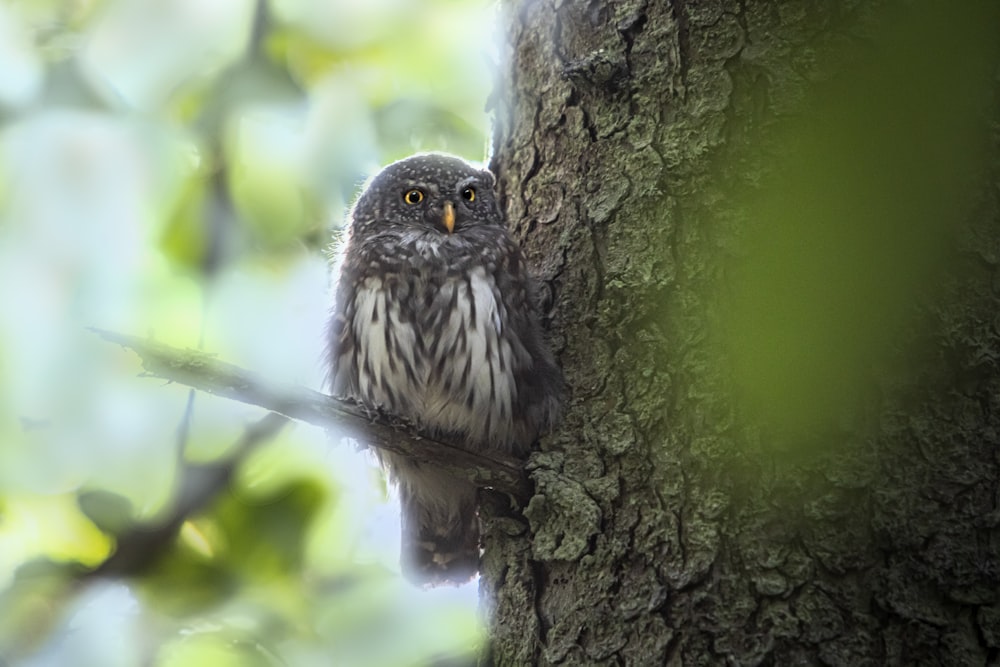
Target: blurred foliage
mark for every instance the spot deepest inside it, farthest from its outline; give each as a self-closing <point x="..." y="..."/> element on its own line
<point x="174" y="167"/>
<point x="856" y="224"/>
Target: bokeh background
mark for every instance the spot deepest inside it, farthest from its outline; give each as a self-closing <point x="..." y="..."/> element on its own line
<point x="178" y="169"/>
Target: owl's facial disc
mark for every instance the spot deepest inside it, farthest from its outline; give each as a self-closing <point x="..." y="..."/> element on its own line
<point x="448" y="218"/>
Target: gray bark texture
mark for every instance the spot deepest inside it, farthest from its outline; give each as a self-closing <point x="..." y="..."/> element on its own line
<point x="669" y="524"/>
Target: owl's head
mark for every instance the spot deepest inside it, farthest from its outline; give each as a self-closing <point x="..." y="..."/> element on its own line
<point x="432" y="192"/>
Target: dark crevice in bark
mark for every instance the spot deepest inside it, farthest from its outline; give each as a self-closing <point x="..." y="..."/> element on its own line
<point x="683" y="40"/>
<point x="539" y="576"/>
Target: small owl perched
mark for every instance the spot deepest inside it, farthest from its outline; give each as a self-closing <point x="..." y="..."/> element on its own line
<point x="433" y="321"/>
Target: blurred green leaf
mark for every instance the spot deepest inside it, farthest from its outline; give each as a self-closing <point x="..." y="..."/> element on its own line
<point x="108" y="511"/>
<point x="239" y="541"/>
<point x="31" y="605"/>
<point x="265" y="534"/>
<point x="184" y="241"/>
<point x="855" y="226"/>
<point x="47" y="526"/>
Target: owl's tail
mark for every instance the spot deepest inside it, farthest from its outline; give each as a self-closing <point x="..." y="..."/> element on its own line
<point x="440" y="534"/>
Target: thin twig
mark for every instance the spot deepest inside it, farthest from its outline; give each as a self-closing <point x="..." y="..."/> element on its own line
<point x="203" y="371"/>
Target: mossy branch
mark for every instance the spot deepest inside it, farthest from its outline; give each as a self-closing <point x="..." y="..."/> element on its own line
<point x="204" y="372"/>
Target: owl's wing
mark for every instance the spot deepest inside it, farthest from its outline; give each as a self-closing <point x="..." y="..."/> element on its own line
<point x="539" y="381"/>
<point x="341" y="344"/>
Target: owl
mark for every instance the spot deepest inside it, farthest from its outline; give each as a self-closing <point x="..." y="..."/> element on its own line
<point x="433" y="321"/>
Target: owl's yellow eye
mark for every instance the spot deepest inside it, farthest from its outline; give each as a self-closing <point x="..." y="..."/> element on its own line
<point x="469" y="194"/>
<point x="413" y="196"/>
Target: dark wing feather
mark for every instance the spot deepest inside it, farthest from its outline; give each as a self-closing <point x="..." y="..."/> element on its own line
<point x="341" y="345"/>
<point x="539" y="382"/>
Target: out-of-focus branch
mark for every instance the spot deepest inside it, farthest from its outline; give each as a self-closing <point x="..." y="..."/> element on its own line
<point x="32" y="604"/>
<point x="202" y="371"/>
<point x="140" y="545"/>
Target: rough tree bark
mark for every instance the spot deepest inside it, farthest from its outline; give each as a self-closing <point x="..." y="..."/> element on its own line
<point x="664" y="529"/>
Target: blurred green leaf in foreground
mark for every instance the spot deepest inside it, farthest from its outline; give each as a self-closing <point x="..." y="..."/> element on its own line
<point x="852" y="231"/>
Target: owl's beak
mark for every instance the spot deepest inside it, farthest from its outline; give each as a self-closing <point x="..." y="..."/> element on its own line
<point x="449" y="216"/>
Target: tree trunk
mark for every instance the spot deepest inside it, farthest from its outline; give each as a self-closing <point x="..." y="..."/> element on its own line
<point x="724" y="490"/>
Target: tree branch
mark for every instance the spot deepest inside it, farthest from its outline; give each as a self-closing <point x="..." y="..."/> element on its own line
<point x="203" y="371"/>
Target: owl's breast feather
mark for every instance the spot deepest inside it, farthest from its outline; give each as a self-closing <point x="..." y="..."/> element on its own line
<point x="432" y="349"/>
